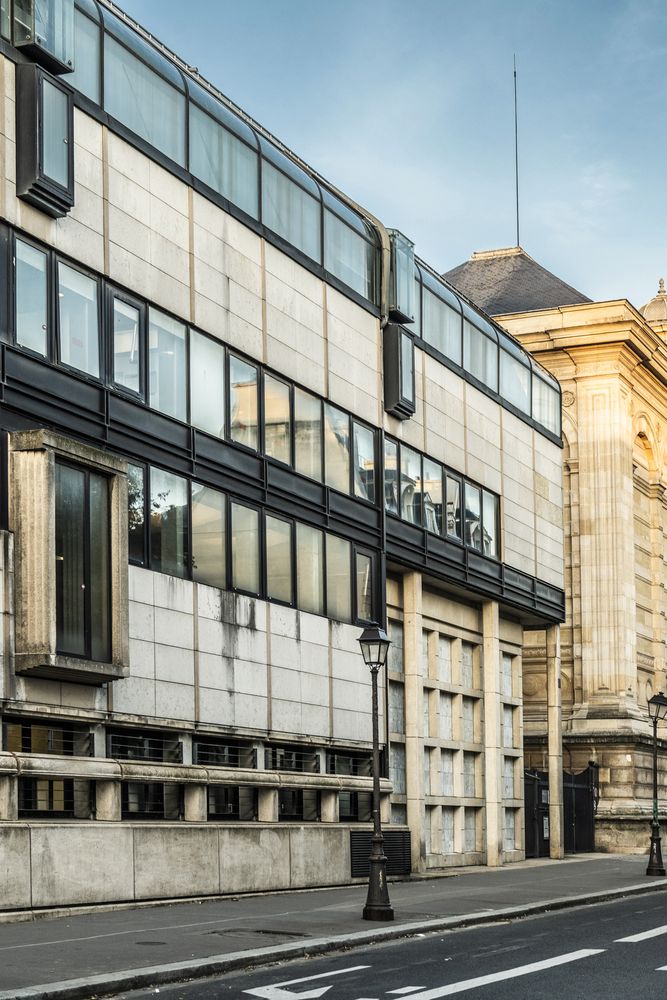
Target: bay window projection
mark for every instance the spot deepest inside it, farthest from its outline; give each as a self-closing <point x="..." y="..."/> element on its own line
<point x="78" y="320"/>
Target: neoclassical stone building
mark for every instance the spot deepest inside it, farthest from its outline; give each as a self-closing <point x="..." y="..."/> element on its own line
<point x="611" y="361"/>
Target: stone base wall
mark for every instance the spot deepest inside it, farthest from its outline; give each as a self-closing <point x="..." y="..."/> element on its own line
<point x="64" y="864"/>
<point x="624" y="834"/>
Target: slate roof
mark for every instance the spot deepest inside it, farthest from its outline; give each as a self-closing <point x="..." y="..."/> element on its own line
<point x="509" y="281"/>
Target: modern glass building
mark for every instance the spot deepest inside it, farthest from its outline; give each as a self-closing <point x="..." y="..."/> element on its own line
<point x="241" y="420"/>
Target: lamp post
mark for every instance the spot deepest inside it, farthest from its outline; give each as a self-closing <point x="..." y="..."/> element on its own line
<point x="375" y="644"/>
<point x="657" y="710"/>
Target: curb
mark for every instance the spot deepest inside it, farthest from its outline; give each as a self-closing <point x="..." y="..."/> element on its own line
<point x="181" y="972"/>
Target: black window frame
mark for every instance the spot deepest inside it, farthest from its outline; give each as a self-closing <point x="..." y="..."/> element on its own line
<point x="102" y="378"/>
<point x="51" y="298"/>
<point x="395" y="401"/>
<point x="87" y="654"/>
<point x="112" y="293"/>
<point x="33" y="185"/>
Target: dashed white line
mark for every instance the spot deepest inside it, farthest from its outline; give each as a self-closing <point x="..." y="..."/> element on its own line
<point x="644" y="936"/>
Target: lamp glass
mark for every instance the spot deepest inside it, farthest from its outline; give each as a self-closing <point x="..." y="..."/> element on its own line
<point x="374" y="644"/>
<point x="657" y="707"/>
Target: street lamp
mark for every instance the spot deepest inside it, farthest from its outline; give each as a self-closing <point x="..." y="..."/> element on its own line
<point x="657" y="710"/>
<point x="375" y="644"/>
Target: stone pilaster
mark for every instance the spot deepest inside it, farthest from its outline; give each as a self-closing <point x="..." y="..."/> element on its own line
<point x="414" y="737"/>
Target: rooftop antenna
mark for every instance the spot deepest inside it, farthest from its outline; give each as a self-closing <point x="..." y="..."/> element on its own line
<point x="516" y="157"/>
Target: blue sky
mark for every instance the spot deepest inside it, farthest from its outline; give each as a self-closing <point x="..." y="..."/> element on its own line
<point x="408" y="107"/>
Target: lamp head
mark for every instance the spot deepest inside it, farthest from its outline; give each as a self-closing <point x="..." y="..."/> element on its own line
<point x="375" y="644"/>
<point x="657" y="707"/>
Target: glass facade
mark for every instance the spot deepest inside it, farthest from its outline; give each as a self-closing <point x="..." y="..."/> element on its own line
<point x="336" y="448"/>
<point x="245" y="548"/>
<point x="243" y="415"/>
<point x="127" y="346"/>
<point x="166" y="365"/>
<point x="310" y="569"/>
<point x="55" y="134"/>
<point x="279" y="560"/>
<point x="224" y="162"/>
<point x="339" y="591"/>
<point x="207" y="384"/>
<point x="307" y="434"/>
<point x="277" y="420"/>
<point x="169" y="507"/>
<point x="208" y="536"/>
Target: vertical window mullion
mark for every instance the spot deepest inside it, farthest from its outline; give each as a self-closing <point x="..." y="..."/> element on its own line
<point x="86" y="567"/>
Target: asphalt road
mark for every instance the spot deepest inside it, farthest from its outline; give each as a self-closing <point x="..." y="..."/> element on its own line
<point x="575" y="954"/>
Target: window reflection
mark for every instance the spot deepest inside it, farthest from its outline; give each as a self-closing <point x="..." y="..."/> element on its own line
<point x="86" y="75"/>
<point x="55" y="134"/>
<point x="391" y="497"/>
<point x="31" y="298"/>
<point x="78" y="316"/>
<point x="208" y="536"/>
<point x="290" y="211"/>
<point x="207" y="384"/>
<point x="223" y="161"/>
<point x="169" y="523"/>
<point x="364" y="587"/>
<point x="308" y="434"/>
<point x="243" y="402"/>
<point x="166" y="361"/>
<point x="515" y="382"/>
<point x="407" y="368"/>
<point x="442" y="326"/>
<point x="136" y="507"/>
<point x="339" y="589"/>
<point x="546" y="405"/>
<point x="473" y="517"/>
<point x="336" y="448"/>
<point x="490" y="523"/>
<point x="432" y="496"/>
<point x="480" y="356"/>
<point x="348" y="255"/>
<point x="364" y="462"/>
<point x="411" y="485"/>
<point x="310" y="569"/>
<point x="126" y="345"/>
<point x="245" y="548"/>
<point x="454" y="507"/>
<point x="279" y="559"/>
<point x="277" y="421"/>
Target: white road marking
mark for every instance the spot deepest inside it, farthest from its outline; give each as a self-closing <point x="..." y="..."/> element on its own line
<point x="496" y="977"/>
<point x="276" y="991"/>
<point x="644" y="936"/>
<point x="405" y="989"/>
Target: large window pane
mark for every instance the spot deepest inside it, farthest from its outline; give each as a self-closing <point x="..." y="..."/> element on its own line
<point x="432" y="495"/>
<point x="473" y="517"/>
<point x="127" y="352"/>
<point x="480" y="356"/>
<point x="454" y="507"/>
<point x="290" y="211"/>
<point x="407" y="368"/>
<point x="442" y="327"/>
<point x="31" y="298"/>
<point x="364" y="462"/>
<point x="55" y="134"/>
<point x="348" y="255"/>
<point x="277" y="420"/>
<point x="77" y="306"/>
<point x="391" y="492"/>
<point x="70" y="560"/>
<point x="86" y="75"/>
<point x="339" y="584"/>
<point x="208" y="536"/>
<point x="243" y="402"/>
<point x="514" y="382"/>
<point x="546" y="405"/>
<point x="411" y="485"/>
<point x="245" y="548"/>
<point x="169" y="523"/>
<point x="99" y="587"/>
<point x="167" y="375"/>
<point x="143" y="101"/>
<point x="364" y="571"/>
<point x="308" y="434"/>
<point x="223" y="161"/>
<point x="4" y="18"/>
<point x="279" y="559"/>
<point x="490" y="522"/>
<point x="310" y="569"/>
<point x="336" y="448"/>
<point x="136" y="507"/>
<point x="207" y="384"/>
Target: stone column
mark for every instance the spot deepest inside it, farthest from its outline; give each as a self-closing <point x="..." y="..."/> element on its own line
<point x="414" y="738"/>
<point x="493" y="753"/>
<point x="267" y="805"/>
<point x="9" y="786"/>
<point x="195" y="806"/>
<point x="554" y="743"/>
<point x="329" y="805"/>
<point x="107" y="801"/>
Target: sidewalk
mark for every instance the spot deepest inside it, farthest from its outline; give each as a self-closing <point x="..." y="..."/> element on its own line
<point x="85" y="955"/>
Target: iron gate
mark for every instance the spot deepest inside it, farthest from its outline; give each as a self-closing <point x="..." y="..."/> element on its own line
<point x="580" y="798"/>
